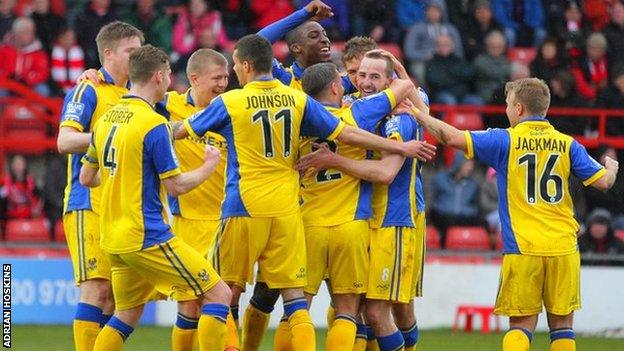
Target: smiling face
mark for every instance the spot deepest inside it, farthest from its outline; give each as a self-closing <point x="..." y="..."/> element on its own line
<point x="372" y="77"/>
<point x="313" y="45"/>
<point x="211" y="82"/>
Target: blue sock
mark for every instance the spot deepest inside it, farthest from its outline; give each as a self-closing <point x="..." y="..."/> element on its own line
<point x="410" y="335"/>
<point x="184" y="322"/>
<point x="563" y="333"/>
<point x="121" y="327"/>
<point x="89" y="313"/>
<point x="105" y="319"/>
<point x="294" y="305"/>
<point x="391" y="342"/>
<point x="526" y="332"/>
<point x="216" y="310"/>
<point x="360" y="331"/>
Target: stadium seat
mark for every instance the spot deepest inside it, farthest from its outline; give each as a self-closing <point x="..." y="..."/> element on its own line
<point x="280" y="50"/>
<point x="464" y="120"/>
<point x="619" y="234"/>
<point x="467" y="238"/>
<point x="486" y="312"/>
<point x="522" y="55"/>
<point x="28" y="230"/>
<point x="21" y="116"/>
<point x="59" y="232"/>
<point x="393" y="48"/>
<point x="433" y="238"/>
<point x="498" y="245"/>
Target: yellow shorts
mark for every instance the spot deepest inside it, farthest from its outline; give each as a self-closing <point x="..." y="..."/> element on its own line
<point x="82" y="231"/>
<point x="199" y="234"/>
<point x="276" y="243"/>
<point x="527" y="282"/>
<point x="394" y="258"/>
<point x="173" y="269"/>
<point x="331" y="250"/>
<point x="421" y="239"/>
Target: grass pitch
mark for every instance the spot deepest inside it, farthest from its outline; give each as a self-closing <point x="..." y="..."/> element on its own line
<point x="148" y="338"/>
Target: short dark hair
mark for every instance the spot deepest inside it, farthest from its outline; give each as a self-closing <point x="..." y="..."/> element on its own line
<point x="145" y="61"/>
<point x="318" y="77"/>
<point x="111" y="34"/>
<point x="389" y="64"/>
<point x="357" y="47"/>
<point x="294" y="36"/>
<point x="257" y="51"/>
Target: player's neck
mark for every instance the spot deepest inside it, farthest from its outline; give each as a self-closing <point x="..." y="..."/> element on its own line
<point x="198" y="100"/>
<point x="145" y="92"/>
<point x="120" y="79"/>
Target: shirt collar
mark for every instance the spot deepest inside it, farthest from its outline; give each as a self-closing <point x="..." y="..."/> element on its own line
<point x="109" y="79"/>
<point x="534" y="119"/>
<point x="138" y="98"/>
<point x="189" y="98"/>
<point x="297" y="70"/>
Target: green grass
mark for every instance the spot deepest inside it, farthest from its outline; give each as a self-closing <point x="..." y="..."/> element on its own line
<point x="59" y="338"/>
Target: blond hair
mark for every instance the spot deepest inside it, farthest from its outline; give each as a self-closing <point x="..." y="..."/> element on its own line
<point x="357" y="47"/>
<point x="111" y="34"/>
<point x="145" y="61"/>
<point x="201" y="58"/>
<point x="532" y="93"/>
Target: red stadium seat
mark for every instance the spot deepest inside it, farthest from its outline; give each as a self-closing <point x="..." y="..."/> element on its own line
<point x="467" y="238"/>
<point x="620" y="234"/>
<point x="499" y="242"/>
<point x="280" y="50"/>
<point x="393" y="48"/>
<point x="464" y="120"/>
<point x="433" y="238"/>
<point x="522" y="55"/>
<point x="28" y="230"/>
<point x="59" y="231"/>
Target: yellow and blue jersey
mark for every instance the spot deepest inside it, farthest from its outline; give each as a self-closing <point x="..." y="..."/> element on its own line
<point x="534" y="163"/>
<point x="396" y="204"/>
<point x="132" y="148"/>
<point x="320" y="190"/>
<point x="292" y="76"/>
<point x="82" y="108"/>
<point x="262" y="124"/>
<point x="203" y="202"/>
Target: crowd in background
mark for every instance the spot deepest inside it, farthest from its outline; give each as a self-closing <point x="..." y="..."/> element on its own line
<point x="456" y="49"/>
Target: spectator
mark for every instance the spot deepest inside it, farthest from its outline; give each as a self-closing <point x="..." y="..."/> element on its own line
<point x="564" y="94"/>
<point x="518" y="71"/>
<point x="420" y="41"/>
<point x="599" y="237"/>
<point x="67" y="61"/>
<point x="375" y="19"/>
<point x="47" y="23"/>
<point x="613" y="97"/>
<point x="591" y="71"/>
<point x="237" y="17"/>
<point x="192" y="21"/>
<point x="24" y="59"/>
<point x="479" y="25"/>
<point x="523" y="21"/>
<point x="597" y="13"/>
<point x="612" y="200"/>
<point x="553" y="11"/>
<point x="269" y="11"/>
<point x="152" y="21"/>
<point x="455" y="196"/>
<point x="410" y="12"/>
<point x="460" y="12"/>
<point x="573" y="29"/>
<point x="88" y="23"/>
<point x="448" y="76"/>
<point x="19" y="192"/>
<point x="493" y="68"/>
<point x="489" y="201"/>
<point x="614" y="32"/>
<point x="549" y="60"/>
<point x="7" y="17"/>
<point x="337" y="27"/>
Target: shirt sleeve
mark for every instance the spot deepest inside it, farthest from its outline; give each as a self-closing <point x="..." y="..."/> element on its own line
<point x="90" y="158"/>
<point x="368" y="111"/>
<point x="214" y="118"/>
<point x="275" y="31"/>
<point x="161" y="108"/>
<point x="348" y="85"/>
<point x="281" y="73"/>
<point x="78" y="107"/>
<point x="159" y="147"/>
<point x="489" y="146"/>
<point x="423" y="95"/>
<point x="398" y="128"/>
<point x="318" y="122"/>
<point x="584" y="166"/>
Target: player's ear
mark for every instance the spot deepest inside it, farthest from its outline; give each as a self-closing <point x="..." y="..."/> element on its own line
<point x="295" y="48"/>
<point x="193" y="78"/>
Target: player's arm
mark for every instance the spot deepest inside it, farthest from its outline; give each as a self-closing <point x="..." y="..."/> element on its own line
<point x="89" y="175"/>
<point x="315" y="10"/>
<point x="182" y="183"/>
<point x="445" y="133"/>
<point x="376" y="171"/>
<point x="214" y="118"/>
<point x="605" y="182"/>
<point x="78" y="109"/>
<point x="590" y="171"/>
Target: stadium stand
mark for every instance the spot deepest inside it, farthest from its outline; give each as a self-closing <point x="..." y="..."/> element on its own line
<point x="467" y="238"/>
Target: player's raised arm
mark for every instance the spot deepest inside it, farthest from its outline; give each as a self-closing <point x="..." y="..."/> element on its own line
<point x="590" y="171"/>
<point x="443" y="132"/>
<point x="316" y="10"/>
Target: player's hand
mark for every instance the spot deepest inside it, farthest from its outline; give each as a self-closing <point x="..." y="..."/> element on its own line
<point x="398" y="66"/>
<point x="611" y="164"/>
<point x="212" y="155"/>
<point x="420" y="150"/>
<point x="322" y="158"/>
<point x="404" y="107"/>
<point x="90" y="74"/>
<point x="320" y="10"/>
